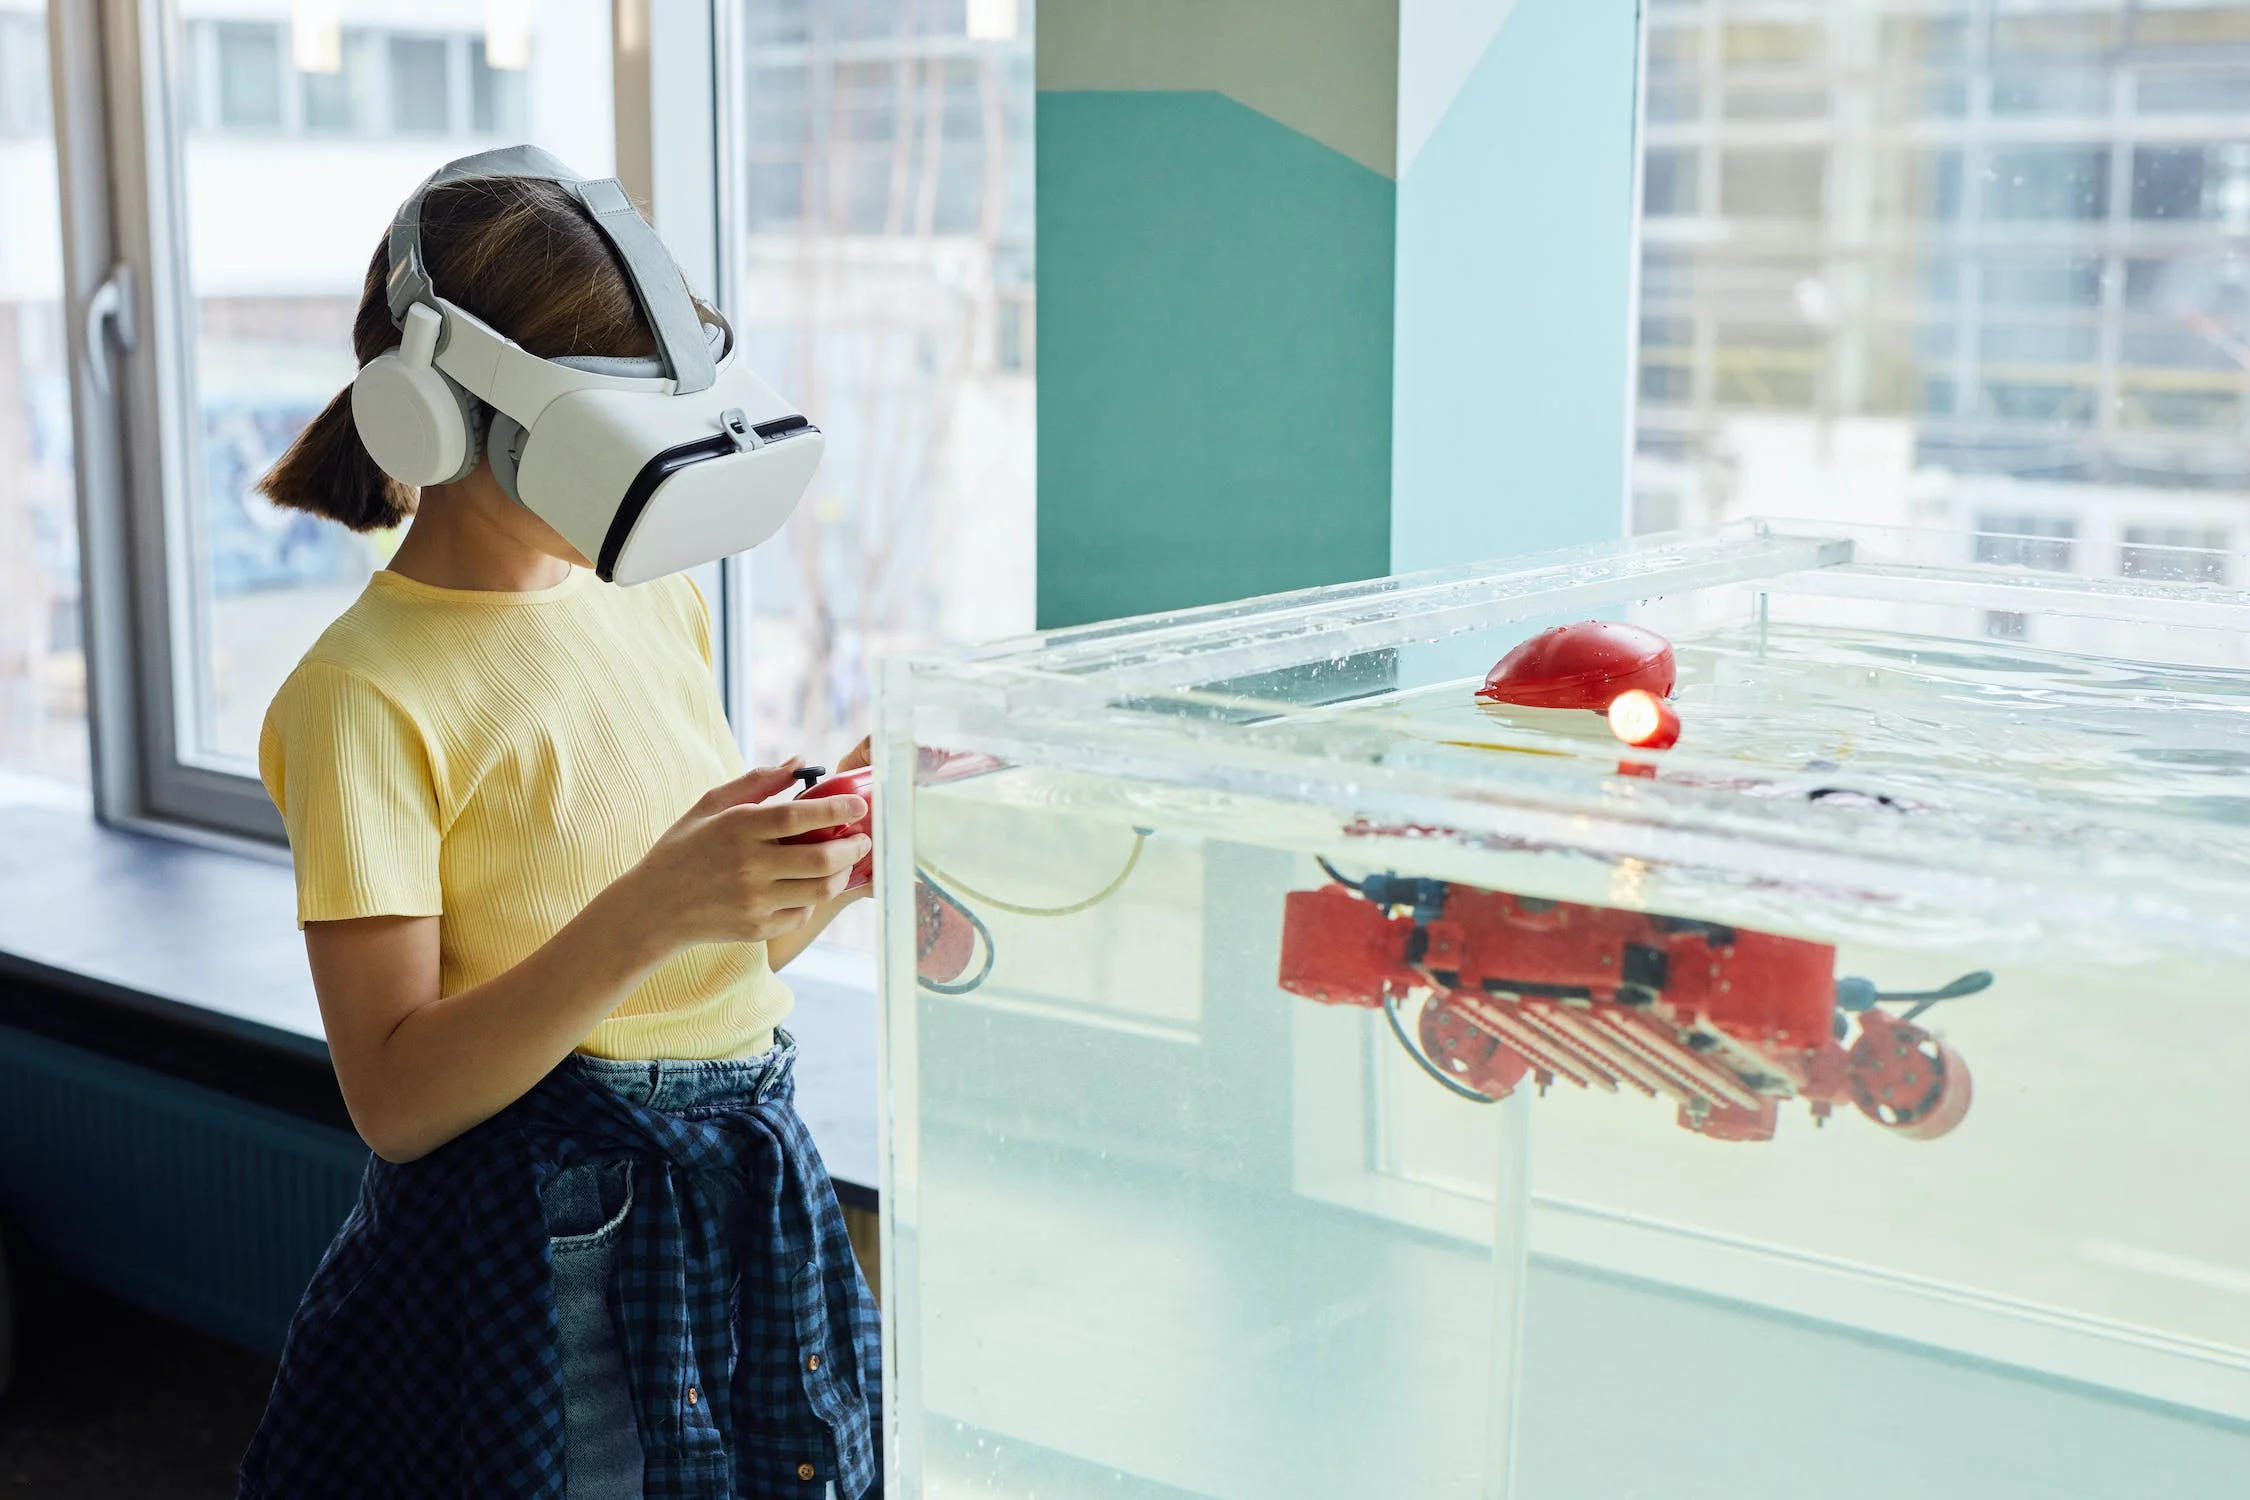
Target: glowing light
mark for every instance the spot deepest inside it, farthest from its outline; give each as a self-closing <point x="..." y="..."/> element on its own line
<point x="992" y="20"/>
<point x="1643" y="719"/>
<point x="507" y="33"/>
<point x="316" y="36"/>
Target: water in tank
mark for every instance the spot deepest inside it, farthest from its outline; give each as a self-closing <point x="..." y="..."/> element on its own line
<point x="1308" y="1075"/>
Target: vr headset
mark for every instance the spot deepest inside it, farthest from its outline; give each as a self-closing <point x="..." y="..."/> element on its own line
<point x="646" y="465"/>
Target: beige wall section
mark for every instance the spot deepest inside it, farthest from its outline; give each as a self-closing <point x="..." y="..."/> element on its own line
<point x="1324" y="68"/>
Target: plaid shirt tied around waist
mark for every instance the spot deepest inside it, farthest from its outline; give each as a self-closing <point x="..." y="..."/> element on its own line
<point x="423" y="1361"/>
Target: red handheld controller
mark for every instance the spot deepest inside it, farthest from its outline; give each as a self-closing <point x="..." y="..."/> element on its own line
<point x="859" y="783"/>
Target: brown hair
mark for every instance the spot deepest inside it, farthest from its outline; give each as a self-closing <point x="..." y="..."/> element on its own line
<point x="520" y="254"/>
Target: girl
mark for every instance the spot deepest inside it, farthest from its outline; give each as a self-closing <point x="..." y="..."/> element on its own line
<point x="595" y="1255"/>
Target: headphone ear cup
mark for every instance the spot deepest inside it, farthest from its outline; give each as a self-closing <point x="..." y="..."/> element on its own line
<point x="503" y="443"/>
<point x="418" y="426"/>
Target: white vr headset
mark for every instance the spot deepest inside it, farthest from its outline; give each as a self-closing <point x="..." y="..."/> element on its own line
<point x="646" y="465"/>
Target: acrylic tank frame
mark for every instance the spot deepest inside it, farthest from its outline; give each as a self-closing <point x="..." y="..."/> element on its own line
<point x="1279" y="702"/>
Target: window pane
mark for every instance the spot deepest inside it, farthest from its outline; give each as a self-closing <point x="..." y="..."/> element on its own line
<point x="498" y="97"/>
<point x="2050" y="93"/>
<point x="269" y="334"/>
<point x="249" y="64"/>
<point x="884" y="278"/>
<point x="42" y="673"/>
<point x="2181" y="554"/>
<point x="2048" y="182"/>
<point x="348" y="98"/>
<point x="421" y="95"/>
<point x="1668" y="183"/>
<point x="2194" y="93"/>
<point x="1773" y="183"/>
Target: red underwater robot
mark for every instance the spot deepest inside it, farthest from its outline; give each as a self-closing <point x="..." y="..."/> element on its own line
<point x="1727" y="1023"/>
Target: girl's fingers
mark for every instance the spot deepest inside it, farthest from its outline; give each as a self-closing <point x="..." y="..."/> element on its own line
<point x="792" y="894"/>
<point x="751" y="786"/>
<point x="787" y="862"/>
<point x="788" y="820"/>
<point x="862" y="755"/>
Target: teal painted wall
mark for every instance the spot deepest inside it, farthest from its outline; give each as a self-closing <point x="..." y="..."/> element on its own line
<point x="1515" y="246"/>
<point x="1214" y="356"/>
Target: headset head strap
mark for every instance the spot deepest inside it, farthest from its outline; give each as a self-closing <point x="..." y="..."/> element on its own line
<point x="655" y="277"/>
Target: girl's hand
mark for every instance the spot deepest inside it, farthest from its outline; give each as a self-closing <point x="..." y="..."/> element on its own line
<point x="721" y="874"/>
<point x="862" y="755"/>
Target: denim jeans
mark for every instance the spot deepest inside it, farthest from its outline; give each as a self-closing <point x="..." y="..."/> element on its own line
<point x="586" y="1205"/>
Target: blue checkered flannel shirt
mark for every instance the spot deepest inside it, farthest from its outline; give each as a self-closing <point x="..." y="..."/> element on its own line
<point x="423" y="1363"/>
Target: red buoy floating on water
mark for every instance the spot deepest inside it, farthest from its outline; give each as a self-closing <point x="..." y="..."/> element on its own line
<point x="1588" y="665"/>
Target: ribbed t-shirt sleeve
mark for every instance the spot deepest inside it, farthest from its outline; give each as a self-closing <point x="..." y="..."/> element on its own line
<point x="352" y="776"/>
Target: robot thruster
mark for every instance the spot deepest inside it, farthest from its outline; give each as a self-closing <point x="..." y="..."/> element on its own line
<point x="1727" y="1023"/>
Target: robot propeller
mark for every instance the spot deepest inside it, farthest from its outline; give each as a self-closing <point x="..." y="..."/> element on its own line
<point x="1856" y="995"/>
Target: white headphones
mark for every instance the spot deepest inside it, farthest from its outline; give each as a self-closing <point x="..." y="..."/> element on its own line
<point x="647" y="465"/>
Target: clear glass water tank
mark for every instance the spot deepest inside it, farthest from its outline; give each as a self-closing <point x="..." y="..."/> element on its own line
<point x="1306" y="1078"/>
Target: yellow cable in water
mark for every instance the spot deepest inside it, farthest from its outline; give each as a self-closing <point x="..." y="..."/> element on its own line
<point x="963" y="888"/>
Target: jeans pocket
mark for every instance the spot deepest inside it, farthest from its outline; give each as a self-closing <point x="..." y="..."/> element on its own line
<point x="587" y="1204"/>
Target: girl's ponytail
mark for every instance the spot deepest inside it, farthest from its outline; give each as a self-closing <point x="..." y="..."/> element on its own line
<point x="327" y="470"/>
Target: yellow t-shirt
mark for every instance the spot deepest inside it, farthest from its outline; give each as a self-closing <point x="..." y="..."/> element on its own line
<point x="494" y="760"/>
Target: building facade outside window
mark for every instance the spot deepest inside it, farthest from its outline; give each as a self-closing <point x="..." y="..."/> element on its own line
<point x="1949" y="264"/>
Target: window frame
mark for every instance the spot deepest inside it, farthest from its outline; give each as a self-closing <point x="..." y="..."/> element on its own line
<point x="116" y="66"/>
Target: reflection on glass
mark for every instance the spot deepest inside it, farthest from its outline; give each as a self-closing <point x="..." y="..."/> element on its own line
<point x="42" y="672"/>
<point x="2000" y="271"/>
<point x="883" y="274"/>
<point x="298" y="148"/>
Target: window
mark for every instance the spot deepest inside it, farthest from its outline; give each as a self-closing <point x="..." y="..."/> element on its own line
<point x="2191" y="183"/>
<point x="42" y="665"/>
<point x="421" y="91"/>
<point x="2048" y="182"/>
<point x="25" y="111"/>
<point x="2191" y="25"/>
<point x="249" y="75"/>
<point x="347" y="100"/>
<point x="2044" y="281"/>
<point x="2021" y="541"/>
<point x="2193" y="93"/>
<point x="2181" y="554"/>
<point x="2051" y="93"/>
<point x="1785" y="183"/>
<point x="1908" y="40"/>
<point x="1771" y="103"/>
<point x="881" y="265"/>
<point x="1916" y="186"/>
<point x="1668" y="184"/>
<point x="293" y="153"/>
<point x="1759" y="44"/>
<point x="499" y="97"/>
<point x="2057" y="34"/>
